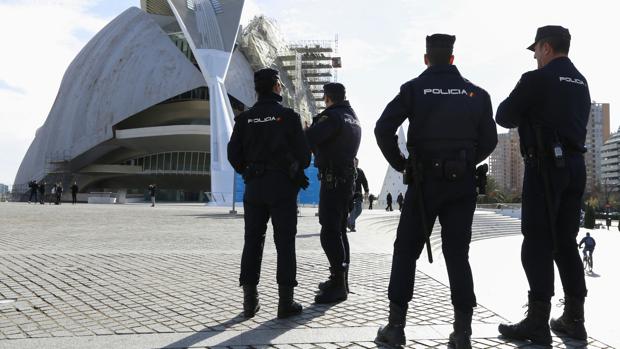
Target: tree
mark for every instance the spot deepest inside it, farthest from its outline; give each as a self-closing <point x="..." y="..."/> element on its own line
<point x="589" y="219"/>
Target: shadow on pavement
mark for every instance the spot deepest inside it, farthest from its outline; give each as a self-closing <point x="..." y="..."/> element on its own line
<point x="204" y="334"/>
<point x="306" y="236"/>
<point x="261" y="335"/>
<point x="568" y="343"/>
<point x="214" y="216"/>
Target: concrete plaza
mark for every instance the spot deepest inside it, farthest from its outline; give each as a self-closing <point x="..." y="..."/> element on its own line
<point x="132" y="276"/>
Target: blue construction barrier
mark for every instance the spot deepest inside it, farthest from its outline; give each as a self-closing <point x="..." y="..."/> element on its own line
<point x="310" y="196"/>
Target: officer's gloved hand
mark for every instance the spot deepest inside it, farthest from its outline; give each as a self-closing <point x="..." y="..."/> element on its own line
<point x="303" y="181"/>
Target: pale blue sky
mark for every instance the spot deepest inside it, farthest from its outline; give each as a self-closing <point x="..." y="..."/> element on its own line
<point x="381" y="44"/>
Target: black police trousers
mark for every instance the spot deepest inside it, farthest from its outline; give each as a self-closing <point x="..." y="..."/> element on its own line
<point x="454" y="203"/>
<point x="333" y="214"/>
<point x="537" y="257"/>
<point x="272" y="195"/>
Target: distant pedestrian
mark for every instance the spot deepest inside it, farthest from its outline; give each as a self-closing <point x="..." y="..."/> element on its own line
<point x="42" y="192"/>
<point x="371" y="198"/>
<point x="388" y="200"/>
<point x="74" y="191"/>
<point x="608" y="221"/>
<point x="52" y="196"/>
<point x="59" y="191"/>
<point x="152" y="191"/>
<point x="358" y="197"/>
<point x="33" y="191"/>
<point x="400" y="201"/>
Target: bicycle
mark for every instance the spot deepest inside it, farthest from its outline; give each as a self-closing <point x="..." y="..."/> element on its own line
<point x="587" y="261"/>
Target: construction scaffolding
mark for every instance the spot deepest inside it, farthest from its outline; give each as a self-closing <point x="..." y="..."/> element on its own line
<point x="312" y="64"/>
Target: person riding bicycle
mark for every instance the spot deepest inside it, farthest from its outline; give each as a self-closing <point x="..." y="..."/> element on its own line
<point x="589" y="243"/>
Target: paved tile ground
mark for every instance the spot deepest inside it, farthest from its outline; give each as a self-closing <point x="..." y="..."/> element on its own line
<point x="89" y="272"/>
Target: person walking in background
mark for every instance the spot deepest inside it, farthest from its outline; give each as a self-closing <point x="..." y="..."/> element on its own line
<point x="74" y="192"/>
<point x="399" y="201"/>
<point x="388" y="202"/>
<point x="52" y="195"/>
<point x="59" y="191"/>
<point x="33" y="190"/>
<point x="42" y="192"/>
<point x="358" y="197"/>
<point x="371" y="199"/>
<point x="152" y="192"/>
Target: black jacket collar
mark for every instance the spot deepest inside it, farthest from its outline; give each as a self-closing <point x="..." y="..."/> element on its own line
<point x="441" y="69"/>
<point x="269" y="98"/>
<point x="343" y="104"/>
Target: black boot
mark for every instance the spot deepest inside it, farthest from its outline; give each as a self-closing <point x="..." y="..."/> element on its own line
<point x="287" y="307"/>
<point x="535" y="327"/>
<point x="335" y="292"/>
<point x="460" y="338"/>
<point x="325" y="284"/>
<point x="250" y="301"/>
<point x="571" y="321"/>
<point x="393" y="335"/>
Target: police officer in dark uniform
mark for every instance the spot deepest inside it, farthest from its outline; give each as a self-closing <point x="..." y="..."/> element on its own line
<point x="451" y="129"/>
<point x="550" y="106"/>
<point x="334" y="138"/>
<point x="269" y="149"/>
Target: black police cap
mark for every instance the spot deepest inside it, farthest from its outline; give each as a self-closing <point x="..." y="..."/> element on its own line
<point x="266" y="74"/>
<point x="334" y="88"/>
<point x="440" y="41"/>
<point x="550" y="31"/>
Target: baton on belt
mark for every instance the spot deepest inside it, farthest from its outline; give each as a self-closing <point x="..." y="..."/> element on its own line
<point x="419" y="197"/>
<point x="543" y="162"/>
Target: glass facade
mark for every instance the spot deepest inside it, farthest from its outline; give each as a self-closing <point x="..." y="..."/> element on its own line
<point x="178" y="162"/>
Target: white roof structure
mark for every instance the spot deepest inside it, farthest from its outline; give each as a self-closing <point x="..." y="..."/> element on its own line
<point x="393" y="181"/>
<point x="129" y="66"/>
<point x="133" y="106"/>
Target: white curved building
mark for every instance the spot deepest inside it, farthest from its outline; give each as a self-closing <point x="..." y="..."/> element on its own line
<point x="138" y="106"/>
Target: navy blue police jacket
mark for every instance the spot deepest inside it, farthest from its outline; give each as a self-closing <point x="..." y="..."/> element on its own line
<point x="334" y="137"/>
<point x="445" y="112"/>
<point x="555" y="97"/>
<point x="268" y="134"/>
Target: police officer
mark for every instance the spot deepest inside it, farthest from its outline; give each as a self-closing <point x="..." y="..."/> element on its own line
<point x="269" y="149"/>
<point x="334" y="138"/>
<point x="451" y="129"/>
<point x="550" y="106"/>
